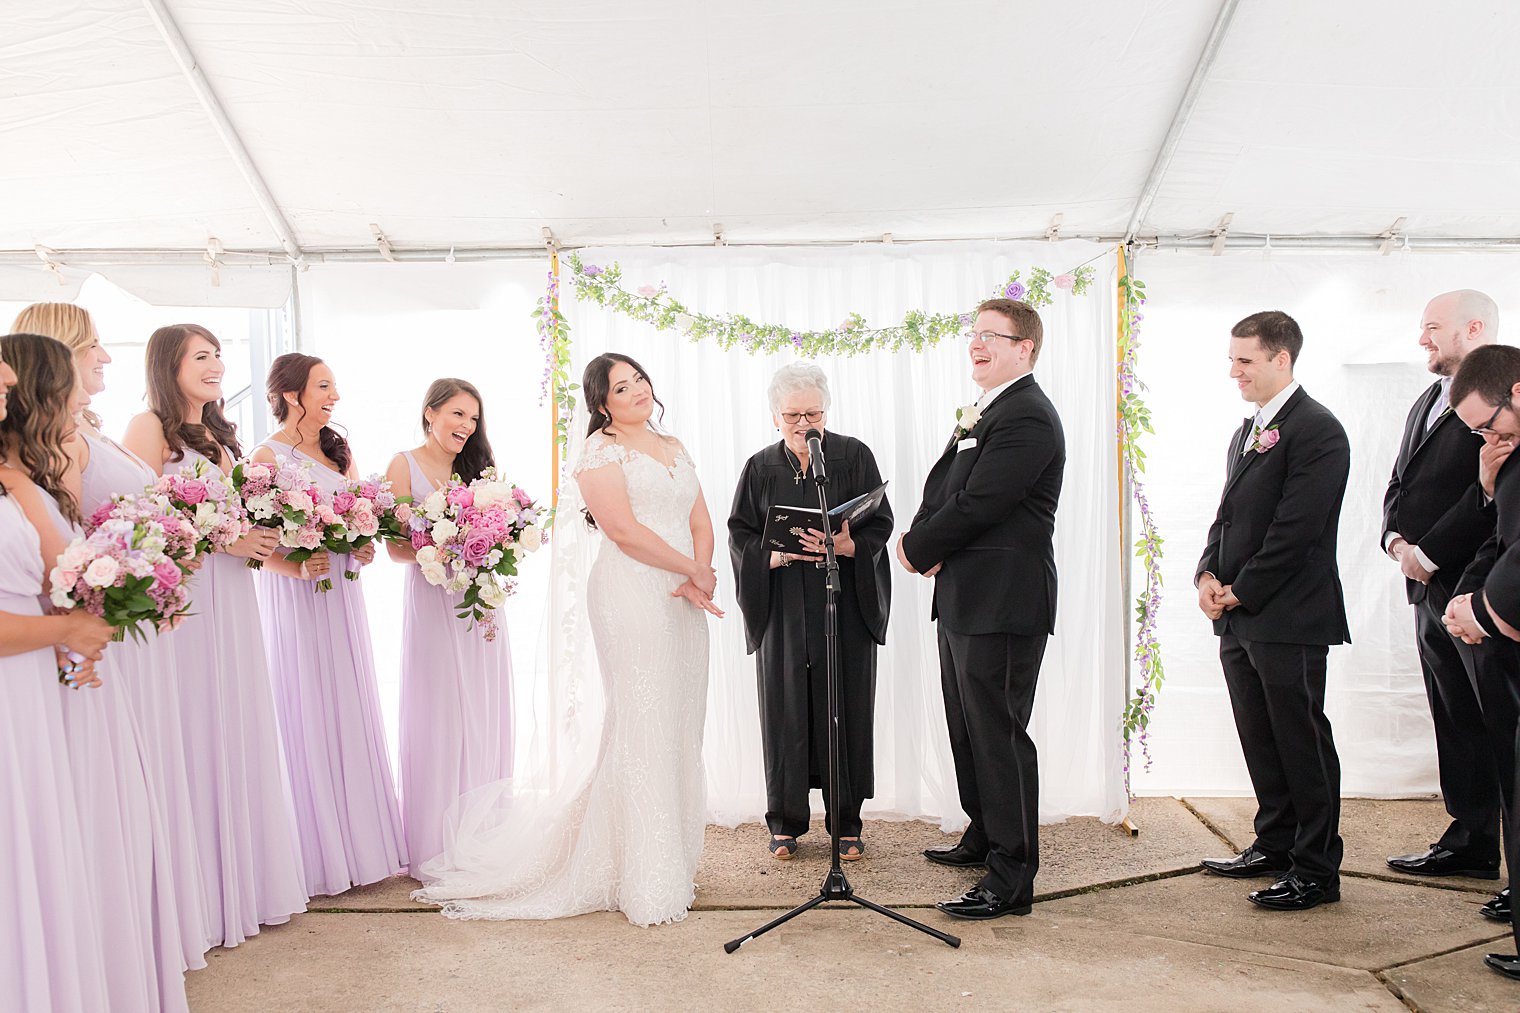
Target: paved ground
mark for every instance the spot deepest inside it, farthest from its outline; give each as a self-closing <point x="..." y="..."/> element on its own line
<point x="1122" y="923"/>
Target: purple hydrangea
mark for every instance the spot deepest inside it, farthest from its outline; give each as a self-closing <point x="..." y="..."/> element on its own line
<point x="797" y="339"/>
<point x="591" y="270"/>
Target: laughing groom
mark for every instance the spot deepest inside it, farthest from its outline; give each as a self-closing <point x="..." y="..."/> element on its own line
<point x="1268" y="580"/>
<point x="984" y="533"/>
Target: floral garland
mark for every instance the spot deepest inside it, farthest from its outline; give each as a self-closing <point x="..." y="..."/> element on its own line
<point x="554" y="342"/>
<point x="1135" y="419"/>
<point x="918" y="330"/>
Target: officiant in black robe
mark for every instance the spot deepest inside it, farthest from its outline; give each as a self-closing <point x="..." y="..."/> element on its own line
<point x="781" y="596"/>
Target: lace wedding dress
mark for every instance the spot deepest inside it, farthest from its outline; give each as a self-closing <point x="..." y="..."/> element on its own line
<point x="625" y="833"/>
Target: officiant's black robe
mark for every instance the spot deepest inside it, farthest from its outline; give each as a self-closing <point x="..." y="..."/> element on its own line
<point x="783" y="621"/>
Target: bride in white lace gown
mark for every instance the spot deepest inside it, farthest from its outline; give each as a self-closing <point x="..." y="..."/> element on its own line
<point x="628" y="836"/>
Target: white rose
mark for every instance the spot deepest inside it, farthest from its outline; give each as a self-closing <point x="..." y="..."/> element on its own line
<point x="531" y="538"/>
<point x="102" y="572"/>
<point x="205" y="515"/>
<point x="261" y="507"/>
<point x="75" y="556"/>
<point x="968" y="416"/>
<point x="444" y="530"/>
<point x="434" y="574"/>
<point x="427" y="555"/>
<point x="489" y="494"/>
<point x="61" y="598"/>
<point x="492" y="595"/>
<point x="435" y="506"/>
<point x="684" y="321"/>
<point x="300" y="502"/>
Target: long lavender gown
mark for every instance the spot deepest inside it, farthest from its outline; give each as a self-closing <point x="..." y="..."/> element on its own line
<point x="51" y="955"/>
<point x="456" y="705"/>
<point x="249" y="862"/>
<point x="151" y="679"/>
<point x="330" y="722"/>
<point x="127" y="854"/>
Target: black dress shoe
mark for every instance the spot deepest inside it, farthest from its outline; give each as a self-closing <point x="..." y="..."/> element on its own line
<point x="1250" y="862"/>
<point x="958" y="857"/>
<point x="1295" y="893"/>
<point x="1497" y="910"/>
<point x="1438" y="861"/>
<point x="980" y="904"/>
<point x="1506" y="964"/>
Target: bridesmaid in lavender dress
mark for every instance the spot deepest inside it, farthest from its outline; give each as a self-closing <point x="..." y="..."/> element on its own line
<point x="321" y="662"/>
<point x="456" y="688"/>
<point x="51" y="955"/>
<point x="244" y="830"/>
<point x="126" y="859"/>
<point x="145" y="667"/>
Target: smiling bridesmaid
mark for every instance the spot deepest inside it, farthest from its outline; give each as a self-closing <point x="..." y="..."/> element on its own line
<point x="456" y="687"/>
<point x="244" y="831"/>
<point x="321" y="662"/>
<point x="146" y="667"/>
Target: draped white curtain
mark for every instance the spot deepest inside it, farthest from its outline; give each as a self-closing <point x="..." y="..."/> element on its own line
<point x="902" y="405"/>
<point x="1360" y="314"/>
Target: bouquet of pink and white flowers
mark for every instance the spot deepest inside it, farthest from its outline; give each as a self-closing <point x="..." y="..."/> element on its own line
<point x="354" y="517"/>
<point x="469" y="539"/>
<point x="209" y="502"/>
<point x="130" y="568"/>
<point x="281" y="496"/>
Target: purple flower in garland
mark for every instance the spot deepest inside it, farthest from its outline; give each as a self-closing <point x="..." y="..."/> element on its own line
<point x="966" y="319"/>
<point x="797" y="339"/>
<point x="1015" y="290"/>
<point x="591" y="270"/>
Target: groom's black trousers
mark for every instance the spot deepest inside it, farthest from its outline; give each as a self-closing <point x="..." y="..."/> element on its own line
<point x="989" y="681"/>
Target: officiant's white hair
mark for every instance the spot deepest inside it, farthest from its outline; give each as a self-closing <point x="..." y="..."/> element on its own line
<point x="796" y="376"/>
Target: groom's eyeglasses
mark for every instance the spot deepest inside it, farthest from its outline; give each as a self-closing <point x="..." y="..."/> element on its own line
<point x="986" y="336"/>
<point x="792" y="418"/>
<point x="1487" y="428"/>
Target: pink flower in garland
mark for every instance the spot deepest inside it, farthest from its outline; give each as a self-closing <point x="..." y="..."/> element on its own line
<point x="1065" y="281"/>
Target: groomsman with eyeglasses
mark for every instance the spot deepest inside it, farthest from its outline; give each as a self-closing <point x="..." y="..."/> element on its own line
<point x="1436" y="516"/>
<point x="1268" y="579"/>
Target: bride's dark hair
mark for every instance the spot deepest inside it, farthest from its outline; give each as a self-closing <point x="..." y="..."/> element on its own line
<point x="595" y="385"/>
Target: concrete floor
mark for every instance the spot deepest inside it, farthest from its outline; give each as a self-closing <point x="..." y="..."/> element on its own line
<point x="1122" y="922"/>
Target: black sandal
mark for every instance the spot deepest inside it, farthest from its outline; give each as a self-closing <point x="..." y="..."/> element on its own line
<point x="851" y="849"/>
<point x="776" y="844"/>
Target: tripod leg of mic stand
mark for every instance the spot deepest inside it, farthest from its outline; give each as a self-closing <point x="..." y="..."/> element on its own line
<point x="943" y="937"/>
<point x="732" y="945"/>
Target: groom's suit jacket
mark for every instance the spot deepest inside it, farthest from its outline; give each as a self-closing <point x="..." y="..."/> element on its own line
<point x="1274" y="536"/>
<point x="989" y="515"/>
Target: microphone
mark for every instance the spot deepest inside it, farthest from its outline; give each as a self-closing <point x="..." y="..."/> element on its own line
<point x="815" y="453"/>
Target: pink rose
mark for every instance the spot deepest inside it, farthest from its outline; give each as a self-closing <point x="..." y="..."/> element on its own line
<point x="326" y="514"/>
<point x="1267" y="440"/>
<point x="648" y="291"/>
<point x="168" y="574"/>
<point x="477" y="546"/>
<point x="343" y="501"/>
<point x="1065" y="280"/>
<point x="193" y="491"/>
<point x="403" y="513"/>
<point x="368" y="489"/>
<point x="364" y="521"/>
<point x="421" y="539"/>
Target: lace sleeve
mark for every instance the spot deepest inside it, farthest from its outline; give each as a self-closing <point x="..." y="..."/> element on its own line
<point x="681" y="453"/>
<point x="600" y="451"/>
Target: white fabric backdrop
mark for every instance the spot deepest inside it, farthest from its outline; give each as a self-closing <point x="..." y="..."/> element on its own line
<point x="903" y="406"/>
<point x="1360" y="315"/>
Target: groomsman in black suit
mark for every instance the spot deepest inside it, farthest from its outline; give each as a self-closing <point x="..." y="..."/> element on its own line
<point x="1435" y="518"/>
<point x="1486" y="610"/>
<point x="1268" y="580"/>
<point x="984" y="533"/>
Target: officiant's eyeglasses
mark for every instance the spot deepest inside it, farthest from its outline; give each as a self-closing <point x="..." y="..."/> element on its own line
<point x="792" y="418"/>
<point x="1487" y="428"/>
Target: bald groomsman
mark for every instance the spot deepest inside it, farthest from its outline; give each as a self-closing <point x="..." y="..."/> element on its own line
<point x="1435" y="518"/>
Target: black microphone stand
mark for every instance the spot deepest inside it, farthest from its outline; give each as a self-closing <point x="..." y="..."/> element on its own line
<point x="835" y="885"/>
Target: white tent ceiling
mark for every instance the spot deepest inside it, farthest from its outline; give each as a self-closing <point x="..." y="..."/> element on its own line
<point x="475" y="123"/>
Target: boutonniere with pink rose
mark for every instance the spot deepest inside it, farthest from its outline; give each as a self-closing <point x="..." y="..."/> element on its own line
<point x="965" y="420"/>
<point x="1265" y="441"/>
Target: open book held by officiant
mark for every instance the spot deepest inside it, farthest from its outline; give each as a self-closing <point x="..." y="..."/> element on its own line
<point x="785" y="525"/>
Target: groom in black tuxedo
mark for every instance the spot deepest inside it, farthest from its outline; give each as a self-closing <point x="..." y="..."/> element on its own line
<point x="1268" y="579"/>
<point x="984" y="533"/>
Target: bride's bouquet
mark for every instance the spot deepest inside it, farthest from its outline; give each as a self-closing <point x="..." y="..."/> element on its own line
<point x="364" y="512"/>
<point x="130" y="568"/>
<point x="281" y="496"/>
<point x="209" y="502"/>
<point x="469" y="539"/>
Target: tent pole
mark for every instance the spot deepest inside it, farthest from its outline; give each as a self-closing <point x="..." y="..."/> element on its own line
<point x="169" y="29"/>
<point x="1180" y="118"/>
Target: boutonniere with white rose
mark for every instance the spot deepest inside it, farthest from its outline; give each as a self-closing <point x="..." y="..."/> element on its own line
<point x="1265" y="441"/>
<point x="965" y="420"/>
